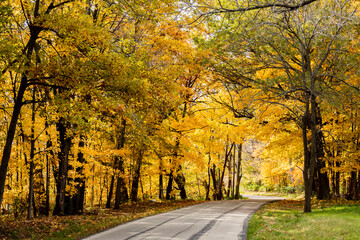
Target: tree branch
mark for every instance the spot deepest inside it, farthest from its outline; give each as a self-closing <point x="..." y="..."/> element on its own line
<point x="286" y="7"/>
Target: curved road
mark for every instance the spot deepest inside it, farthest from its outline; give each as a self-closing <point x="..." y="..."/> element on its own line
<point x="211" y="220"/>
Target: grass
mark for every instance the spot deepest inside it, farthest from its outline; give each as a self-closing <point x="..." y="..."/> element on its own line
<point x="293" y="196"/>
<point x="76" y="227"/>
<point x="286" y="220"/>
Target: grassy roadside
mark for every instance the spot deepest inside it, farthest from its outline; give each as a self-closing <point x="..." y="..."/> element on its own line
<point x="75" y="227"/>
<point x="285" y="220"/>
<point x="293" y="196"/>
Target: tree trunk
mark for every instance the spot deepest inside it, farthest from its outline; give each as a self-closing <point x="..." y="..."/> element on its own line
<point x="180" y="181"/>
<point x="215" y="182"/>
<point x="32" y="164"/>
<point x="306" y="170"/>
<point x="337" y="180"/>
<point x="161" y="186"/>
<point x="136" y="178"/>
<point x="121" y="194"/>
<point x="34" y="33"/>
<point x="230" y="173"/>
<point x="323" y="184"/>
<point x="76" y="201"/>
<point x="351" y="191"/>
<point x="238" y="172"/>
<point x="61" y="175"/>
<point x="47" y="205"/>
<point x="108" y="201"/>
<point x="169" y="186"/>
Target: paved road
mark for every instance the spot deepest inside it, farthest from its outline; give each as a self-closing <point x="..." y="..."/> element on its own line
<point x="211" y="220"/>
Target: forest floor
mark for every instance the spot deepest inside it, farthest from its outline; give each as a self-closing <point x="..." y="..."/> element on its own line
<point x="329" y="219"/>
<point x="76" y="227"/>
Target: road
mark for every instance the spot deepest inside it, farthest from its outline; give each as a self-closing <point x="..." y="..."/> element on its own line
<point x="211" y="220"/>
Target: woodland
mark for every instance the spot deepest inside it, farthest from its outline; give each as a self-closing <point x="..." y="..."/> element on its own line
<point x="104" y="102"/>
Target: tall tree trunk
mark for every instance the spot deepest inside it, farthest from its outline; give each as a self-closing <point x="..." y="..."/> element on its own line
<point x="229" y="177"/>
<point x="161" y="181"/>
<point x="51" y="153"/>
<point x="306" y="170"/>
<point x="34" y="33"/>
<point x="323" y="184"/>
<point x="180" y="181"/>
<point x="215" y="182"/>
<point x="121" y="194"/>
<point x="32" y="154"/>
<point x="61" y="176"/>
<point x="351" y="191"/>
<point x="109" y="197"/>
<point x="337" y="180"/>
<point x="238" y="172"/>
<point x="208" y="182"/>
<point x="234" y="175"/>
<point x="311" y="154"/>
<point x="77" y="200"/>
<point x="169" y="186"/>
<point x="136" y="177"/>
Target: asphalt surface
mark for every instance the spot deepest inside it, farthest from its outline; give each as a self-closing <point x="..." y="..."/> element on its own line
<point x="211" y="221"/>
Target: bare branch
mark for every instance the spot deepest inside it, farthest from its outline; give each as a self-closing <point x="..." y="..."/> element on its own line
<point x="284" y="6"/>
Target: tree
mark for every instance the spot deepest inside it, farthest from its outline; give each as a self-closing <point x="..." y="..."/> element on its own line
<point x="290" y="56"/>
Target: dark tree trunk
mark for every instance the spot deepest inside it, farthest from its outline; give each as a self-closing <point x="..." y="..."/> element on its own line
<point x="307" y="172"/>
<point x="323" y="184"/>
<point x="10" y="135"/>
<point x="180" y="181"/>
<point x="229" y="184"/>
<point x="75" y="203"/>
<point x="351" y="191"/>
<point x="337" y="180"/>
<point x="208" y="182"/>
<point x="47" y="188"/>
<point x="108" y="201"/>
<point x="238" y="172"/>
<point x="48" y="146"/>
<point x="169" y="186"/>
<point x="34" y="33"/>
<point x="30" y="214"/>
<point x="121" y="194"/>
<point x="136" y="177"/>
<point x="215" y="182"/>
<point x="32" y="164"/>
<point x="161" y="186"/>
<point x="61" y="175"/>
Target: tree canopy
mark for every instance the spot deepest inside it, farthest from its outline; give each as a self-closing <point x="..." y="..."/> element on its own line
<point x="104" y="102"/>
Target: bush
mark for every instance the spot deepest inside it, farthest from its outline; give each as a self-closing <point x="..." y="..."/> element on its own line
<point x="19" y="206"/>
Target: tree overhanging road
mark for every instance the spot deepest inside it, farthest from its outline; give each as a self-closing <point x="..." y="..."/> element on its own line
<point x="212" y="220"/>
